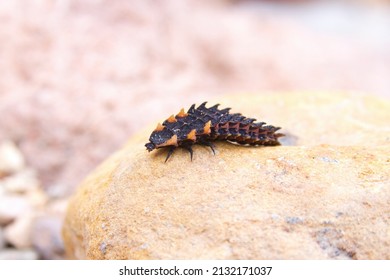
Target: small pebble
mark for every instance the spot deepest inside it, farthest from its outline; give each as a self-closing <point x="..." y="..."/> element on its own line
<point x="37" y="198"/>
<point x="11" y="159"/>
<point x="58" y="207"/>
<point x="15" y="254"/>
<point x="2" y="188"/>
<point x="12" y="207"/>
<point x="2" y="241"/>
<point x="46" y="237"/>
<point x="18" y="234"/>
<point x="21" y="182"/>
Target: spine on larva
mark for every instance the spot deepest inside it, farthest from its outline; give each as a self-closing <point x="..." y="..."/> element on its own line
<point x="242" y="130"/>
<point x="204" y="125"/>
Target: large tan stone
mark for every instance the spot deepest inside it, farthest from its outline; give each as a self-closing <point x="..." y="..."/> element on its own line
<point x="314" y="201"/>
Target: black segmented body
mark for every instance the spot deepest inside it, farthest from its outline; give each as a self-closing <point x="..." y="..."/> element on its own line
<point x="203" y="125"/>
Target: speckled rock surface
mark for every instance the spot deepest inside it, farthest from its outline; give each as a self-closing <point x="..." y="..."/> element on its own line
<point x="327" y="197"/>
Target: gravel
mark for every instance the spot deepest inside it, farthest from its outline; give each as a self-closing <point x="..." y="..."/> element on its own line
<point x="2" y="240"/>
<point x="30" y="220"/>
<point x="15" y="254"/>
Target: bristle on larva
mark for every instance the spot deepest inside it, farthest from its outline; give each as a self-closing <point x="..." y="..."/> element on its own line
<point x="204" y="125"/>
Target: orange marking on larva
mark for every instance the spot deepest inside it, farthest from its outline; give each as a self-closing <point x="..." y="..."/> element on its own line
<point x="159" y="127"/>
<point x="207" y="128"/>
<point x="172" y="119"/>
<point x="171" y="142"/>
<point x="182" y="114"/>
<point x="192" y="135"/>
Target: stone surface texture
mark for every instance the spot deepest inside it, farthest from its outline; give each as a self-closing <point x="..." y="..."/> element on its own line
<point x="324" y="194"/>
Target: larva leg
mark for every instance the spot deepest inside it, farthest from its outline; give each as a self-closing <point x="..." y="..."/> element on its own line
<point x="209" y="144"/>
<point x="170" y="152"/>
<point x="188" y="147"/>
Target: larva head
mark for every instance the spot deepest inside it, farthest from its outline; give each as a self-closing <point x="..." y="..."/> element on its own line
<point x="150" y="146"/>
<point x="161" y="137"/>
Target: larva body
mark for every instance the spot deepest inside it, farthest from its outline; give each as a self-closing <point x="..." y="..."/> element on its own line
<point x="204" y="125"/>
